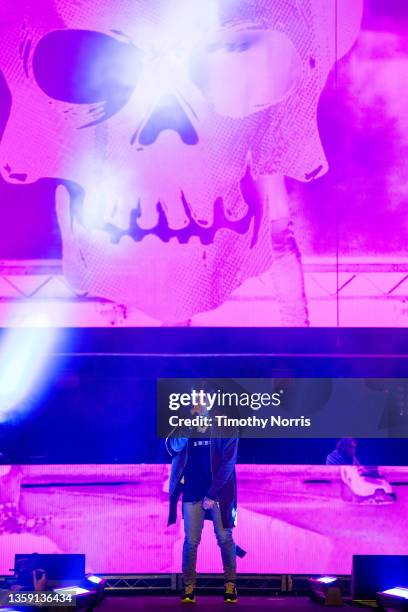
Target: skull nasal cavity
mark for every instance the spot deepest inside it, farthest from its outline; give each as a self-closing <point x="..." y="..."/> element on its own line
<point x="168" y="115"/>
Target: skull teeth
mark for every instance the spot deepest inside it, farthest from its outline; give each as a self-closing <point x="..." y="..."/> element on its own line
<point x="132" y="222"/>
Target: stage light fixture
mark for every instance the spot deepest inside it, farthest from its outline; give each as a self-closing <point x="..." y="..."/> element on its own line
<point x="326" y="579"/>
<point x="97" y="584"/>
<point x="326" y="590"/>
<point x="24" y="357"/>
<point x="393" y="599"/>
<point x="75" y="590"/>
<point x="84" y="598"/>
<point x="95" y="579"/>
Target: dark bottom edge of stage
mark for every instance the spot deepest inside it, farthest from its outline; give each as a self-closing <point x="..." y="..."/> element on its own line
<point x="213" y="602"/>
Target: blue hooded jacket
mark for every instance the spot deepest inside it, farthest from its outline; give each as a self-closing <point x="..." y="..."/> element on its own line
<point x="223" y="457"/>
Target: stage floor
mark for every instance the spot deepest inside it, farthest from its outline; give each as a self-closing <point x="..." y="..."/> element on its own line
<point x="294" y="604"/>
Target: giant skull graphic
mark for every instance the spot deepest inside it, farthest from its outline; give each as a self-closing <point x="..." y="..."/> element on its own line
<point x="157" y="116"/>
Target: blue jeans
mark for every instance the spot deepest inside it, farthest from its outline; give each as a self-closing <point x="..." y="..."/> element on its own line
<point x="194" y="514"/>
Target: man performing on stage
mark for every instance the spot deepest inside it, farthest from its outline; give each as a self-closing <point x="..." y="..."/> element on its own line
<point x="203" y="471"/>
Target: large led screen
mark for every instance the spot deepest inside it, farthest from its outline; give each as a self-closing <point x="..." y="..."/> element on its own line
<point x="291" y="519"/>
<point x="209" y="164"/>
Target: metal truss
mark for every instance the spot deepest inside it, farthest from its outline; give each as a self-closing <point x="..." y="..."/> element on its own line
<point x="353" y="285"/>
<point x="141" y="582"/>
<point x="299" y="584"/>
<point x="205" y="582"/>
<point x="270" y="584"/>
<point x="245" y="582"/>
<point x="256" y="583"/>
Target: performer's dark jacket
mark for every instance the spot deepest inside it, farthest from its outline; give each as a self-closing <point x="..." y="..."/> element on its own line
<point x="223" y="488"/>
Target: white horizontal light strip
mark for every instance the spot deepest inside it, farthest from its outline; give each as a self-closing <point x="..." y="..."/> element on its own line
<point x="397" y="592"/>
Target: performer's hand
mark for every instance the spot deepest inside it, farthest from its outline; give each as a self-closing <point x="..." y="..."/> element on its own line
<point x="40" y="582"/>
<point x="208" y="503"/>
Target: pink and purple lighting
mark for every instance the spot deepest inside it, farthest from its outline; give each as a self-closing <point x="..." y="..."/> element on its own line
<point x="223" y="164"/>
<point x="168" y="161"/>
<point x="294" y="509"/>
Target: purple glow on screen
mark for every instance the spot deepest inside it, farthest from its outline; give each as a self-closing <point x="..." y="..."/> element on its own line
<point x="291" y="519"/>
<point x="185" y="192"/>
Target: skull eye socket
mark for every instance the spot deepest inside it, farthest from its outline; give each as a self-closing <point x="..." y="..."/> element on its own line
<point x="86" y="67"/>
<point x="246" y="70"/>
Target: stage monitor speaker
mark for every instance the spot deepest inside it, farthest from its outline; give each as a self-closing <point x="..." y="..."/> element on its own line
<point x="57" y="567"/>
<point x="373" y="573"/>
